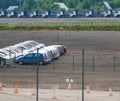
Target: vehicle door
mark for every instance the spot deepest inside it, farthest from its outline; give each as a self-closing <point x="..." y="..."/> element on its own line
<point x="29" y="58"/>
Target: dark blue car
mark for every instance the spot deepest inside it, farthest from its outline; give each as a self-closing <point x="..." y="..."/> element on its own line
<point x="31" y="58"/>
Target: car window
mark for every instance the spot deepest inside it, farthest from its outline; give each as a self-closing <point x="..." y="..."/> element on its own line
<point x="16" y="50"/>
<point x="20" y="48"/>
<point x="9" y="51"/>
<point x="35" y="54"/>
<point x="3" y="53"/>
<point x="29" y="55"/>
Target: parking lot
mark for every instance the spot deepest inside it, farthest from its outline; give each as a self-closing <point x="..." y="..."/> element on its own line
<point x="102" y="45"/>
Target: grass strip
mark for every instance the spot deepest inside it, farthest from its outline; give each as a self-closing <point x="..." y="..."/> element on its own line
<point x="62" y="26"/>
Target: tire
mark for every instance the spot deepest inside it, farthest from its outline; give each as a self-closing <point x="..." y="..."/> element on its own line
<point x="2" y="63"/>
<point x="40" y="63"/>
<point x="20" y="63"/>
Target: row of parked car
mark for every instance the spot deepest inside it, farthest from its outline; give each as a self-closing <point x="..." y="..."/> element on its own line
<point x="59" y="14"/>
<point x="30" y="52"/>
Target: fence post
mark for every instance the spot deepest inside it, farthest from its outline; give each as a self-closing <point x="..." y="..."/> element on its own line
<point x="82" y="74"/>
<point x="73" y="63"/>
<point x="93" y="62"/>
<point x="114" y="62"/>
<point x="53" y="64"/>
<point x="57" y="37"/>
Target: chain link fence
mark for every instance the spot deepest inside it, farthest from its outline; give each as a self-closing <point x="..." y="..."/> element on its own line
<point x="102" y="70"/>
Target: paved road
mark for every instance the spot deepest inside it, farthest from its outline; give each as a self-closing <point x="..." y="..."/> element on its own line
<point x="23" y="21"/>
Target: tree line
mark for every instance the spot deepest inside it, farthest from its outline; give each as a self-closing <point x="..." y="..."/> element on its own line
<point x="49" y="4"/>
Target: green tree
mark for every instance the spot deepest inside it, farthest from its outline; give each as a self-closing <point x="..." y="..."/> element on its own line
<point x="72" y="3"/>
<point x="86" y="4"/>
<point x="48" y="4"/>
<point x="54" y="7"/>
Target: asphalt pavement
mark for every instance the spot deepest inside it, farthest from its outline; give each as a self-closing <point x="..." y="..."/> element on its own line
<point x="38" y="21"/>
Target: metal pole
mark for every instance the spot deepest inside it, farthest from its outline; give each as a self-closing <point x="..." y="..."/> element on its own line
<point x="114" y="63"/>
<point x="53" y="64"/>
<point x="93" y="62"/>
<point x="57" y="37"/>
<point x="22" y="50"/>
<point x="82" y="74"/>
<point x="73" y="63"/>
<point x="37" y="77"/>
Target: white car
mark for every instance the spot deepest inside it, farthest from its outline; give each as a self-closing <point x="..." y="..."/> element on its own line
<point x="27" y="47"/>
<point x="61" y="48"/>
<point x="34" y="45"/>
<point x="53" y="51"/>
<point x="2" y="53"/>
<point x="6" y="53"/>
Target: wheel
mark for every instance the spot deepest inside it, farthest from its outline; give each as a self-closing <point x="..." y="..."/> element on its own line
<point x="20" y="63"/>
<point x="40" y="63"/>
<point x="2" y="63"/>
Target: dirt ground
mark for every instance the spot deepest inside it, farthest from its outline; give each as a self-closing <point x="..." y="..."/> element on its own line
<point x="102" y="56"/>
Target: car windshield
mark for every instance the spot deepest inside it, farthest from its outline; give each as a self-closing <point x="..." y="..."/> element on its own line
<point x="9" y="51"/>
<point x="34" y="43"/>
<point x="20" y="48"/>
<point x="28" y="46"/>
<point x="16" y="51"/>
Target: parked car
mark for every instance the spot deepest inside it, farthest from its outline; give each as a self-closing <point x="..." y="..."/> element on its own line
<point x="45" y="14"/>
<point x="2" y="54"/>
<point x="46" y="54"/>
<point x="20" y="14"/>
<point x="34" y="14"/>
<point x="2" y="61"/>
<point x="34" y="45"/>
<point x="15" y="51"/>
<point x="53" y="51"/>
<point x="107" y="13"/>
<point x="2" y="14"/>
<point x="61" y="48"/>
<point x="89" y="14"/>
<point x="73" y="14"/>
<point x="6" y="54"/>
<point x="60" y="14"/>
<point x="11" y="14"/>
<point x="116" y="13"/>
<point x="31" y="58"/>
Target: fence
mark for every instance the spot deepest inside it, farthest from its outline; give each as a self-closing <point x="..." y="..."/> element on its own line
<point x="102" y="71"/>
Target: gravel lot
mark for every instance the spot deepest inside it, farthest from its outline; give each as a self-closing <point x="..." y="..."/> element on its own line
<point x="104" y="46"/>
<point x="61" y="95"/>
